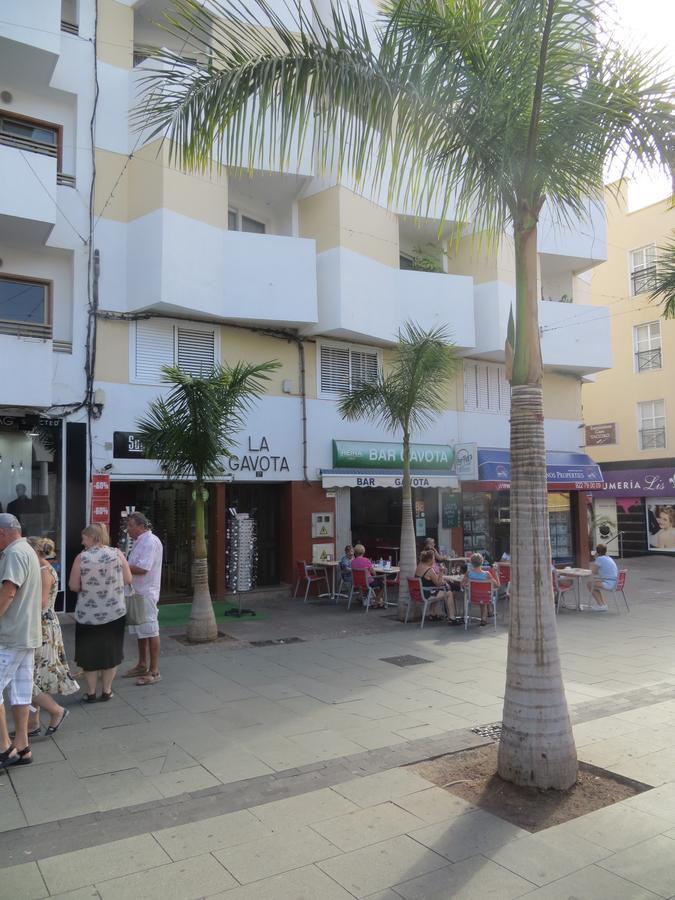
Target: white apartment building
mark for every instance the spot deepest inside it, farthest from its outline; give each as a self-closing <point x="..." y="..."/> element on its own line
<point x="294" y="267"/>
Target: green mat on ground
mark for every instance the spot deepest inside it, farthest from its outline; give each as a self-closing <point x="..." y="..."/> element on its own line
<point x="172" y="614"/>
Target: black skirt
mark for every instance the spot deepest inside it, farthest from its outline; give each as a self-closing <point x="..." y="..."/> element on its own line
<point x="99" y="646"/>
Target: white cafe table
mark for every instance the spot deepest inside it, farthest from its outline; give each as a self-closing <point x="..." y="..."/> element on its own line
<point x="576" y="575"/>
<point x="386" y="570"/>
<point x="333" y="565"/>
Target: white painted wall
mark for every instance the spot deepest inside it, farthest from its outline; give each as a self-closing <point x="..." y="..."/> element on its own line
<point x="28" y="179"/>
<point x="583" y="238"/>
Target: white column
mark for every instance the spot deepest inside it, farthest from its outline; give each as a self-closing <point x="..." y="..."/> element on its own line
<point x="343" y="519"/>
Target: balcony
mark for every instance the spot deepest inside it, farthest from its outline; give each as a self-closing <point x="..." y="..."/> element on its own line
<point x="180" y="266"/>
<point x="574" y="337"/>
<point x="30" y="362"/>
<point x="581" y="243"/>
<point x="27" y="207"/>
<point x="30" y="39"/>
<point x="643" y="281"/>
<point x="645" y="360"/>
<point x="362" y="299"/>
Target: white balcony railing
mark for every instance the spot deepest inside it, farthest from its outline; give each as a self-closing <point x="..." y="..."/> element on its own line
<point x="27" y="204"/>
<point x="30" y="38"/>
<point x="31" y="360"/>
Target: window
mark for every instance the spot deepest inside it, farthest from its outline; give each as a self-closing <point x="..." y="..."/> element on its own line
<point x="160" y="343"/>
<point x="25" y="306"/>
<point x="69" y="16"/>
<point x="29" y="134"/>
<point x="486" y="388"/>
<point x="647" y="345"/>
<point x="342" y="368"/>
<point x="405" y="261"/>
<point x="236" y="221"/>
<point x="643" y="270"/>
<point x="652" y="424"/>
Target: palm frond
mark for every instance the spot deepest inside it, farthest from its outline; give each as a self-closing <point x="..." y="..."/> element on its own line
<point x="664" y="292"/>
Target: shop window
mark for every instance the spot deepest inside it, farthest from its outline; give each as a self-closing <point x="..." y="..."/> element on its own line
<point x="652" y="424"/>
<point x="486" y="388"/>
<point x="643" y="270"/>
<point x="647" y="346"/>
<point x="160" y="343"/>
<point x="342" y="368"/>
<point x="560" y="526"/>
<point x="25" y="306"/>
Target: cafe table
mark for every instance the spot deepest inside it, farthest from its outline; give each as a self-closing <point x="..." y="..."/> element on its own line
<point x="386" y="570"/>
<point x="333" y="565"/>
<point x="576" y="575"/>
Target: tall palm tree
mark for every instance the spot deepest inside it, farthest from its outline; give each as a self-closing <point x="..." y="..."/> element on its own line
<point x="190" y="431"/>
<point x="664" y="290"/>
<point x="406" y="400"/>
<point x="496" y="107"/>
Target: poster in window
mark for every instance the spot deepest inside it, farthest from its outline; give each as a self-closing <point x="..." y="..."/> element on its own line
<point x="605" y="523"/>
<point x="661" y="524"/>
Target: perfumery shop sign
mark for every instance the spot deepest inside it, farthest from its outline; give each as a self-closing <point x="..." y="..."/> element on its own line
<point x="637" y="483"/>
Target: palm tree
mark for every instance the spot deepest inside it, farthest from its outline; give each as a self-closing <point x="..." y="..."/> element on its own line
<point x="404" y="400"/>
<point x="190" y="431"/>
<point x="493" y="106"/>
<point x="664" y="290"/>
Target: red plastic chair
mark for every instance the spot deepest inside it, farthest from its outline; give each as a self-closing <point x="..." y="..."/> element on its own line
<point x="619" y="589"/>
<point x="480" y="593"/>
<point x="312" y="574"/>
<point x="560" y="589"/>
<point x="416" y="596"/>
<point x="504" y="573"/>
<point x="360" y="584"/>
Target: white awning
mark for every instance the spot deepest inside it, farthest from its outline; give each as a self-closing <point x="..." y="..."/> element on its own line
<point x="366" y="479"/>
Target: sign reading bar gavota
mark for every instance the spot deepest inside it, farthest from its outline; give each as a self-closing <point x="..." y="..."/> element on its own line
<point x="383" y="455"/>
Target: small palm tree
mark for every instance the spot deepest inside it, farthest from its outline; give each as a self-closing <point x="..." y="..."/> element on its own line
<point x="404" y="400"/>
<point x="664" y="290"/>
<point x="190" y="431"/>
<point x="493" y="107"/>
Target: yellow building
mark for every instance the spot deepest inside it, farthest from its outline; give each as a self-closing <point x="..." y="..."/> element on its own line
<point x="629" y="410"/>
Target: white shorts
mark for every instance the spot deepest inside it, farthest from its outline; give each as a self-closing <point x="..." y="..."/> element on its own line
<point x="16" y="672"/>
<point x="149" y="628"/>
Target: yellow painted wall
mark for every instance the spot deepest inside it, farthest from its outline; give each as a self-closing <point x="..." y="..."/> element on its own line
<point x="112" y="351"/>
<point x="562" y="396"/>
<point x="615" y="394"/>
<point x="477" y="256"/>
<point x="339" y="217"/>
<point x="115" y="33"/>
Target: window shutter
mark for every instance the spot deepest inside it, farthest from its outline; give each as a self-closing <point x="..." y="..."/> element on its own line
<point x="470" y="387"/>
<point x="195" y="352"/>
<point x="486" y="388"/>
<point x="334" y="369"/>
<point x="364" y="367"/>
<point x="504" y="391"/>
<point x="154" y="349"/>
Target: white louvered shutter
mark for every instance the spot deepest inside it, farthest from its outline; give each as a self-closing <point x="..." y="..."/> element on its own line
<point x="364" y="367"/>
<point x="334" y="363"/>
<point x="504" y="392"/>
<point x="195" y="351"/>
<point x="154" y="349"/>
<point x="470" y="386"/>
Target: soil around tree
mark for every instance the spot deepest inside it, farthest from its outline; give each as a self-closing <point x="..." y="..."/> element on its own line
<point x="472" y="775"/>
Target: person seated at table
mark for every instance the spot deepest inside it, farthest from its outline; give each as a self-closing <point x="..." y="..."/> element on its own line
<point x="605" y="574"/>
<point x="438" y="559"/>
<point x="346" y="563"/>
<point x="456" y="617"/>
<point x="479" y="572"/>
<point x="433" y="584"/>
<point x="361" y="561"/>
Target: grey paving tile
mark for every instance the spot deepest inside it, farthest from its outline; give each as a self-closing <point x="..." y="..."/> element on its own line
<point x="231" y="764"/>
<point x="593" y="883"/>
<point x="107" y="757"/>
<point x="615" y="827"/>
<point x="471" y="879"/>
<point x="659" y="802"/>
<point x="304" y="809"/>
<point x="82" y="867"/>
<point x="544" y="857"/>
<point x="382" y="865"/>
<point x="23" y="882"/>
<point x="85" y="893"/>
<point x="650" y="864"/>
<point x="11" y="814"/>
<point x="307" y="883"/>
<point x="468" y="835"/>
<point x="292" y="849"/>
<point x="117" y="789"/>
<point x="215" y="833"/>
<point x="367" y="826"/>
<point x="171" y="784"/>
<point x="188" y="879"/>
<point x="373" y="789"/>
<point x="434" y="805"/>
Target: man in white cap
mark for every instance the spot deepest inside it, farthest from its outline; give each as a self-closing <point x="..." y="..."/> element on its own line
<point x="20" y="634"/>
<point x="145" y="562"/>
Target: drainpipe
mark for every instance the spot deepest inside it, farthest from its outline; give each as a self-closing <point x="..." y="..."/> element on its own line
<point x="303" y="395"/>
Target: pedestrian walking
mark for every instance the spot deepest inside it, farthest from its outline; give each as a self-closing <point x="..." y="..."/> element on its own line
<point x="51" y="674"/>
<point x="99" y="574"/>
<point x="20" y="635"/>
<point x="145" y="562"/>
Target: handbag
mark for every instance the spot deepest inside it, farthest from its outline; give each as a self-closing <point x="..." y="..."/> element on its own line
<point x="136" y="614"/>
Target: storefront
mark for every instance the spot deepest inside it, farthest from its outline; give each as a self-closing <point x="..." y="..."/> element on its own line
<point x="633" y="511"/>
<point x="486" y="516"/>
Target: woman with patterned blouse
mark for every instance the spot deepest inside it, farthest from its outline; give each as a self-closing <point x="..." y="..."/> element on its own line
<point x="99" y="574"/>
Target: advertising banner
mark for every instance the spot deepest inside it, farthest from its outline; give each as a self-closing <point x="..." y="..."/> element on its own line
<point x="661" y="524"/>
<point x="605" y="523"/>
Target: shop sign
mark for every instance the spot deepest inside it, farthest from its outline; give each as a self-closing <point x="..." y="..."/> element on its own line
<point x="258" y="459"/>
<point x="637" y="482"/>
<point x="128" y="445"/>
<point x="450" y="510"/>
<point x="100" y="486"/>
<point x="100" y="510"/>
<point x="465" y="465"/>
<point x="351" y="479"/>
<point x="599" y="435"/>
<point x="27" y="423"/>
<point x="385" y="455"/>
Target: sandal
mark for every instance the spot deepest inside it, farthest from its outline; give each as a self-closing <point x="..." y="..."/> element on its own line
<point x="150" y="678"/>
<point x="136" y="672"/>
<point x="105" y="697"/>
<point x="89" y="698"/>
<point x="34" y="732"/>
<point x="7" y="760"/>
<point x="52" y="729"/>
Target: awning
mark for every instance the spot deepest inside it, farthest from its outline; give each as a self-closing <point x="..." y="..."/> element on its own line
<point x="385" y="478"/>
<point x="564" y="471"/>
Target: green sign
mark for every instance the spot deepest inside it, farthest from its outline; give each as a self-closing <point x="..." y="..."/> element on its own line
<point x="450" y="510"/>
<point x="381" y="455"/>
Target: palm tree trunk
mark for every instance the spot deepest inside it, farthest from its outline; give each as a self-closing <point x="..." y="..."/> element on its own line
<point x="408" y="551"/>
<point x="202" y="624"/>
<point x="537" y="745"/>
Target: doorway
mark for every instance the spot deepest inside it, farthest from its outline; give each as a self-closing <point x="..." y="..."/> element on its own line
<point x="263" y="502"/>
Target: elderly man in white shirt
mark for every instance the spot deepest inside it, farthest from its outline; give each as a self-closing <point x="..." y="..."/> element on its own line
<point x="145" y="562"/>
